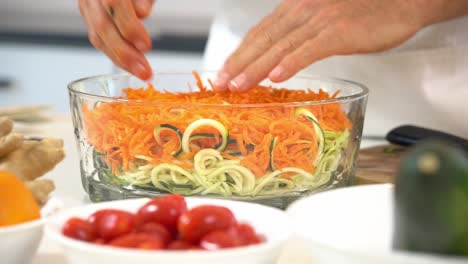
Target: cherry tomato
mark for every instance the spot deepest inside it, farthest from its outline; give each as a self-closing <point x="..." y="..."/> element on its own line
<point x="182" y="245"/>
<point x="164" y="222"/>
<point x="138" y="240"/>
<point x="80" y="229"/>
<point x="111" y="223"/>
<point x="199" y="221"/>
<point x="247" y="233"/>
<point x="100" y="241"/>
<point x="164" y="210"/>
<point x="156" y="230"/>
<point x="178" y="199"/>
<point x="221" y="239"/>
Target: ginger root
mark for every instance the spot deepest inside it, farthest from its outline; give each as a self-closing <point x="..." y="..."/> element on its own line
<point x="9" y="143"/>
<point x="29" y="159"/>
<point x="41" y="189"/>
<point x="6" y="126"/>
<point x="34" y="158"/>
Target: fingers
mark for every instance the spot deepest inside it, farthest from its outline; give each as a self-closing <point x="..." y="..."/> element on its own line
<point x="92" y="34"/>
<point x="257" y="41"/>
<point x="128" y="24"/>
<point x="270" y="36"/>
<point x="266" y="51"/>
<point x="104" y="35"/>
<point x="323" y="45"/>
<point x="143" y="7"/>
<point x="261" y="67"/>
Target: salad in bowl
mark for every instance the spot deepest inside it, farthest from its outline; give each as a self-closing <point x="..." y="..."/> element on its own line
<point x="269" y="144"/>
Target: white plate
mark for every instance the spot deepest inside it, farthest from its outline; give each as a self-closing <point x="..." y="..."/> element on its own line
<point x="271" y="222"/>
<point x="354" y="226"/>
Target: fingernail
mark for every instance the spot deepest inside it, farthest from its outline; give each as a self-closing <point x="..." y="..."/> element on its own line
<point x="139" y="70"/>
<point x="221" y="81"/>
<point x="143" y="6"/>
<point x="150" y="79"/>
<point x="277" y="73"/>
<point x="239" y="83"/>
<point x="141" y="45"/>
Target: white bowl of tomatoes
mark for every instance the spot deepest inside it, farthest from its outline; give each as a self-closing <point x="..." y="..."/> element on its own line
<point x="170" y="229"/>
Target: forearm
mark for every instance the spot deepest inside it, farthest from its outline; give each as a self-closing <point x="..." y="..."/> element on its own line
<point x="435" y="11"/>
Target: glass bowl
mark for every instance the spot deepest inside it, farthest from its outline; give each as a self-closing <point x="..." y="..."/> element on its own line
<point x="271" y="153"/>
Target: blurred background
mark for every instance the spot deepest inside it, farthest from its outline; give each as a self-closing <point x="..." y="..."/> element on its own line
<point x="44" y="46"/>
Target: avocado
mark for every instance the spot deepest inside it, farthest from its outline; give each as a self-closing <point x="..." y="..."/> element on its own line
<point x="431" y="200"/>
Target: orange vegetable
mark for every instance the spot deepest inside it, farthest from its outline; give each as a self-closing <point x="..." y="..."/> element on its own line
<point x="121" y="130"/>
<point x="17" y="204"/>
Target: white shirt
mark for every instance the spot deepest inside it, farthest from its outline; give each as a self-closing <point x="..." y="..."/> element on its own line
<point x="423" y="82"/>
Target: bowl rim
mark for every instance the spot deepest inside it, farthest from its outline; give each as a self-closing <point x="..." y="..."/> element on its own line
<point x="395" y="254"/>
<point x="341" y="99"/>
<point x="57" y="236"/>
<point x="22" y="226"/>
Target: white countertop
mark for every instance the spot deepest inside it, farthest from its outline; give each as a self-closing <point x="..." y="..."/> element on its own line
<point x="69" y="191"/>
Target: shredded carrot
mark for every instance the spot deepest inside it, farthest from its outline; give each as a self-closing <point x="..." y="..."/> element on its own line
<point x="123" y="130"/>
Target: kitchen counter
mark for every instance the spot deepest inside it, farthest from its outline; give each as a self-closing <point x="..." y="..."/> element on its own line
<point x="70" y="192"/>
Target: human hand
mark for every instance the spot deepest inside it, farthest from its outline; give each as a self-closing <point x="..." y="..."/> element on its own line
<point x="115" y="28"/>
<point x="301" y="32"/>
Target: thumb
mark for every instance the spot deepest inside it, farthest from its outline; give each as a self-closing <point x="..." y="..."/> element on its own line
<point x="143" y="7"/>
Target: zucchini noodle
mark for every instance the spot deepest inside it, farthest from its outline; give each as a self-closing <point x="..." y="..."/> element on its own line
<point x="212" y="174"/>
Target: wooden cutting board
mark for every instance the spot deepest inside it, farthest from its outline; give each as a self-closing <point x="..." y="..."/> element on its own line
<point x="378" y="164"/>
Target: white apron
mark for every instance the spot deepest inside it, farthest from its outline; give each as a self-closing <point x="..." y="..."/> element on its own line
<point x="423" y="82"/>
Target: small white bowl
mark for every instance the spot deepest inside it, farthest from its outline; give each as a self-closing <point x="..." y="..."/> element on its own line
<point x="19" y="243"/>
<point x="271" y="222"/>
<point x="354" y="225"/>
